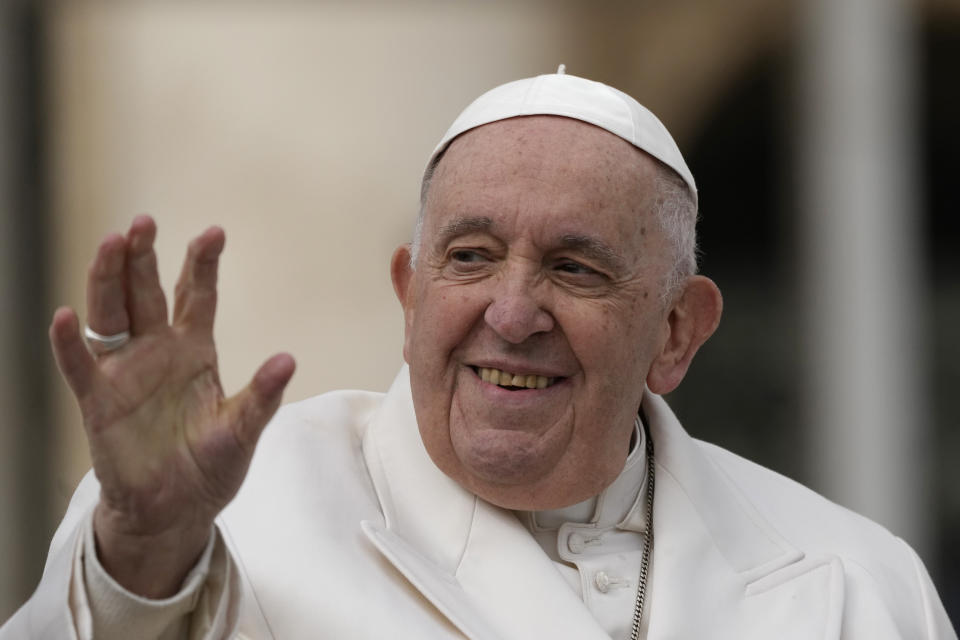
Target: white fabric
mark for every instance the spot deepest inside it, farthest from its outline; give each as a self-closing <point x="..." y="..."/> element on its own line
<point x="599" y="552"/>
<point x="104" y="605"/>
<point x="345" y="529"/>
<point x="570" y="96"/>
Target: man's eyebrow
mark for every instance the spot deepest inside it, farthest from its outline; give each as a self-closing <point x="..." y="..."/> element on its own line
<point x="589" y="246"/>
<point x="462" y="226"/>
<point x="593" y="248"/>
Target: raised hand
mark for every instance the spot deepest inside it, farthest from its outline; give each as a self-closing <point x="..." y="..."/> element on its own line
<point x="170" y="451"/>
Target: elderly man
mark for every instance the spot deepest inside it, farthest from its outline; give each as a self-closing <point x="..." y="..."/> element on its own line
<point x="521" y="479"/>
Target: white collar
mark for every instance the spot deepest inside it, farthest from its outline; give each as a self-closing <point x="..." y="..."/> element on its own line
<point x="614" y="506"/>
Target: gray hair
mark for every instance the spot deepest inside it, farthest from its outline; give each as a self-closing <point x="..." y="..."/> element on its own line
<point x="676" y="213"/>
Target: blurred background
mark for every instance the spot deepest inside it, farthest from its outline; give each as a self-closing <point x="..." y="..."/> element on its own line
<point x="823" y="134"/>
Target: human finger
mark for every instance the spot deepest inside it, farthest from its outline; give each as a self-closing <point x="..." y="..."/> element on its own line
<point x="75" y="362"/>
<point x="195" y="301"/>
<point x="256" y="404"/>
<point x="106" y="298"/>
<point x="146" y="304"/>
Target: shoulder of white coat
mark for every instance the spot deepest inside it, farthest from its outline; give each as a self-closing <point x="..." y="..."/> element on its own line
<point x="800" y="514"/>
<point x="308" y="442"/>
<point x="340" y="414"/>
<point x="873" y="558"/>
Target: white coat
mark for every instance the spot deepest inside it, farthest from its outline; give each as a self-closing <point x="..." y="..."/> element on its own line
<point x="345" y="529"/>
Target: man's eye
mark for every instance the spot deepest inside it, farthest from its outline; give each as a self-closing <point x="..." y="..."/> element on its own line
<point x="465" y="255"/>
<point x="575" y="268"/>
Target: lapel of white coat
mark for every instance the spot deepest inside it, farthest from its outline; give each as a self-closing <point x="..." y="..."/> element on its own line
<point x="719" y="569"/>
<point x="475" y="562"/>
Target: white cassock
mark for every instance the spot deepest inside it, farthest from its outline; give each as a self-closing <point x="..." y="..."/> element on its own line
<point x="344" y="528"/>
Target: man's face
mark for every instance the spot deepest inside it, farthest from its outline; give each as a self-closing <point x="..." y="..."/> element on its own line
<point x="541" y="264"/>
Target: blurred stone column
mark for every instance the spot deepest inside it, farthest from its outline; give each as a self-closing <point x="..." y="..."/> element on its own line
<point x="24" y="356"/>
<point x="861" y="261"/>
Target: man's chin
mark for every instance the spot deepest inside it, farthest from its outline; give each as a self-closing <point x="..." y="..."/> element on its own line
<point x="508" y="469"/>
<point x="509" y="456"/>
<point x="503" y="465"/>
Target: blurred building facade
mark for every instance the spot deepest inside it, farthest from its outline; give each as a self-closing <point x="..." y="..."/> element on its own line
<point x="822" y="136"/>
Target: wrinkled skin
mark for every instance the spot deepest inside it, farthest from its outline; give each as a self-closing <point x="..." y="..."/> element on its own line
<point x="169" y="450"/>
<point x="541" y="255"/>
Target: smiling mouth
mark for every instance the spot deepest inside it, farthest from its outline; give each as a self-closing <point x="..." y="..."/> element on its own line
<point x="513" y="381"/>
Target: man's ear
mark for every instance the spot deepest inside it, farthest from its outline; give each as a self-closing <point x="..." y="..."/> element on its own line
<point x="693" y="318"/>
<point x="401" y="273"/>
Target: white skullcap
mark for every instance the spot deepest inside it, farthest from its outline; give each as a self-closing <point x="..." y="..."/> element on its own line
<point x="560" y="94"/>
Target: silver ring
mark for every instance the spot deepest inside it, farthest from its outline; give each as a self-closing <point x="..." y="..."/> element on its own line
<point x="100" y="344"/>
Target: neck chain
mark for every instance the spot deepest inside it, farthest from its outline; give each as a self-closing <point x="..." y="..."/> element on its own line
<point x="647" y="540"/>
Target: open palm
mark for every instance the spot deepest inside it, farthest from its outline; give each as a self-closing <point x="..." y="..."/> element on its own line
<point x="170" y="451"/>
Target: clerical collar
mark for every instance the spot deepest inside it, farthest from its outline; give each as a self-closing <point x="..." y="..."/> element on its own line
<point x="610" y="507"/>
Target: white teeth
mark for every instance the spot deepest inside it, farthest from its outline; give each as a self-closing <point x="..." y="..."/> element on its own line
<point x="504" y="379"/>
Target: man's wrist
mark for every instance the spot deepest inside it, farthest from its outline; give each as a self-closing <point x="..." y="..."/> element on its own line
<point x="149" y="565"/>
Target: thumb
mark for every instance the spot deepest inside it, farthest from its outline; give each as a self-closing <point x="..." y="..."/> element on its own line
<point x="257" y="403"/>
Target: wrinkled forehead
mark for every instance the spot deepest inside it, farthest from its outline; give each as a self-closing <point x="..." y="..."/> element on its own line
<point x="575" y="154"/>
<point x="554" y="176"/>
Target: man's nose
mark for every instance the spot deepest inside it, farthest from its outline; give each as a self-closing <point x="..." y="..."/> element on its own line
<point x="515" y="314"/>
